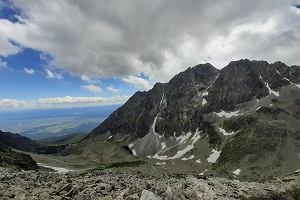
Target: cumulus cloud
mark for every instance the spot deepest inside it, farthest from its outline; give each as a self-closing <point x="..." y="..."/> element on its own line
<point x="3" y="64"/>
<point x="295" y="9"/>
<point x="29" y="71"/>
<point x="52" y="74"/>
<point x="89" y="80"/>
<point x="60" y="102"/>
<point x="6" y="47"/>
<point x="92" y="88"/>
<point x="158" y="38"/>
<point x="138" y="82"/>
<point x="111" y="88"/>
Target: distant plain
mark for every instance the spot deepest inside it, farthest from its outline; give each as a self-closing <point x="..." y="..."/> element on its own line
<point x="50" y="123"/>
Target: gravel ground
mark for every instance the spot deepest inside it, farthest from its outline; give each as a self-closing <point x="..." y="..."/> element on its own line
<point x="113" y="184"/>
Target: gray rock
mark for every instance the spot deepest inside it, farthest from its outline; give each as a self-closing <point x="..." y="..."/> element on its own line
<point x="148" y="195"/>
<point x="66" y="188"/>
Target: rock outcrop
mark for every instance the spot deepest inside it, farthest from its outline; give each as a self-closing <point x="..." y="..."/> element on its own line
<point x="16" y="160"/>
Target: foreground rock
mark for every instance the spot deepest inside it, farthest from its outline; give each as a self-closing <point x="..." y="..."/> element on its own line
<point x="10" y="158"/>
<point x="123" y="185"/>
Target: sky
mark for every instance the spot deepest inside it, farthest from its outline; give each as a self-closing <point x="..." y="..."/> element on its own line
<point x="99" y="52"/>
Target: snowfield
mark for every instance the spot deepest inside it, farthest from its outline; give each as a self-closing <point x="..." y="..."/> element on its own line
<point x="182" y="140"/>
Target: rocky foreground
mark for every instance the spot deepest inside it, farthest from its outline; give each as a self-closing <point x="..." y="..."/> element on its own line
<point x="112" y="184"/>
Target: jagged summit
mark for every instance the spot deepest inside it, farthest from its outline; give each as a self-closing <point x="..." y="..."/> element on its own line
<point x="245" y="111"/>
<point x="236" y="83"/>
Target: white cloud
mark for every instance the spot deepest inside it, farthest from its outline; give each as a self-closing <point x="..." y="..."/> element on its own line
<point x="92" y="88"/>
<point x="295" y="10"/>
<point x="60" y="102"/>
<point x="6" y="47"/>
<point x="52" y="74"/>
<point x="89" y="80"/>
<point x="111" y="88"/>
<point x="3" y="64"/>
<point x="138" y="82"/>
<point x="29" y="71"/>
<point x="157" y="38"/>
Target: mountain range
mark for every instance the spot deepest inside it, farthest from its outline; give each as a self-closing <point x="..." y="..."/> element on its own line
<point x="242" y="120"/>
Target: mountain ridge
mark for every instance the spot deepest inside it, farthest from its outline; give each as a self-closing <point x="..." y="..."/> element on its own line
<point x="227" y="71"/>
<point x="213" y="119"/>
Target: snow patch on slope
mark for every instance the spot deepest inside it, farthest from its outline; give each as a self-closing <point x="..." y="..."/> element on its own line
<point x="288" y="80"/>
<point x="134" y="152"/>
<point x="56" y="169"/>
<point x="163" y="145"/>
<point x="237" y="171"/>
<point x="224" y="132"/>
<point x="297" y="85"/>
<point x="202" y="173"/>
<point x="189" y="158"/>
<point x="182" y="140"/>
<point x="227" y="114"/>
<point x="109" y="137"/>
<point x="214" y="156"/>
<point x="270" y="90"/>
<point x="205" y="93"/>
<point x="160" y="163"/>
<point x="189" y="147"/>
<point x="131" y="144"/>
<point x="278" y="72"/>
<point x="159" y="157"/>
<point x="258" y="108"/>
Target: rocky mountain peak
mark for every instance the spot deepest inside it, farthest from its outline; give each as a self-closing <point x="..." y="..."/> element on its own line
<point x="200" y="89"/>
<point x="204" y="113"/>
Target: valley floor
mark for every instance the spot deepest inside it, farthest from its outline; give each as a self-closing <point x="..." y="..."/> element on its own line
<point x="119" y="184"/>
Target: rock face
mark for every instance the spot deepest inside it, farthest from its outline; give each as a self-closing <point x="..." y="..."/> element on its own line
<point x="172" y="99"/>
<point x="239" y="82"/>
<point x="12" y="159"/>
<point x="244" y="116"/>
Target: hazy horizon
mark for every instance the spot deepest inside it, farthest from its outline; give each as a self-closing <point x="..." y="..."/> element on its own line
<point x="49" y="123"/>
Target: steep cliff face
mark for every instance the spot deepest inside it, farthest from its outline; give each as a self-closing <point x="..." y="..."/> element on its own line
<point x="245" y="115"/>
<point x="174" y="100"/>
<point x="198" y="90"/>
